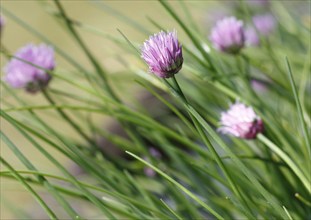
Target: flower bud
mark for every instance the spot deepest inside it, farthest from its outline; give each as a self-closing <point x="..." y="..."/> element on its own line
<point x="163" y="54"/>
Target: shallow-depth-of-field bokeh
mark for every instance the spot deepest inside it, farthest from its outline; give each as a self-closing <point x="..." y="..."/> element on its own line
<point x="155" y="109"/>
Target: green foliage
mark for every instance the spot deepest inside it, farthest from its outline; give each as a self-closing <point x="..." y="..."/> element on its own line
<point x="200" y="173"/>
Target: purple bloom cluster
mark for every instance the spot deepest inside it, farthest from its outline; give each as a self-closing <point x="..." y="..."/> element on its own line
<point x="241" y="121"/>
<point x="264" y="24"/>
<point x="228" y="35"/>
<point x="163" y="54"/>
<point x="20" y="74"/>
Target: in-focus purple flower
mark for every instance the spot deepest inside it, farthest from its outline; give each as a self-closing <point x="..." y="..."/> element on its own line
<point x="20" y="74"/>
<point x="228" y="35"/>
<point x="163" y="54"/>
<point x="241" y="121"/>
<point x="251" y="37"/>
<point x="264" y="24"/>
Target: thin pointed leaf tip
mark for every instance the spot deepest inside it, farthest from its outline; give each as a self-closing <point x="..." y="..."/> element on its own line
<point x="163" y="54"/>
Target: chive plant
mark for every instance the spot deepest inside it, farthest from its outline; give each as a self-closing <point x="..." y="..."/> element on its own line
<point x="222" y="130"/>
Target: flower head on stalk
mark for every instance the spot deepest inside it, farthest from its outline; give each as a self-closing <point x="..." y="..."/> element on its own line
<point x="241" y="121"/>
<point x="163" y="54"/>
<point x="20" y="74"/>
<point x="228" y="35"/>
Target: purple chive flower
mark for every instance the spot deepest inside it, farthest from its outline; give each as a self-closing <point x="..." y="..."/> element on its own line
<point x="241" y="121"/>
<point x="264" y="24"/>
<point x="23" y="75"/>
<point x="163" y="54"/>
<point x="228" y="35"/>
<point x="251" y="37"/>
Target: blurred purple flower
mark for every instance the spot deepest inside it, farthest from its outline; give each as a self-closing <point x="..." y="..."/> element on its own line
<point x="2" y="22"/>
<point x="23" y="75"/>
<point x="241" y="121"/>
<point x="163" y="54"/>
<point x="264" y="24"/>
<point x="258" y="85"/>
<point x="228" y="35"/>
<point x="156" y="154"/>
<point x="149" y="172"/>
<point x="251" y="37"/>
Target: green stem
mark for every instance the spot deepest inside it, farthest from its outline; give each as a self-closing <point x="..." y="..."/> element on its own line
<point x="88" y="194"/>
<point x="170" y="179"/>
<point x="273" y="58"/>
<point x="212" y="149"/>
<point x="188" y="32"/>
<point x="303" y="199"/>
<point x="130" y="130"/>
<point x="28" y="187"/>
<point x="245" y="78"/>
<point x="41" y="179"/>
<point x="68" y="119"/>
<point x="300" y="112"/>
<point x="97" y="67"/>
<point x="171" y="210"/>
<point x="286" y="159"/>
<point x="79" y="194"/>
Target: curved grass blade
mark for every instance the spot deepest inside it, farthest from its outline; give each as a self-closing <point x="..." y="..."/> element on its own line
<point x="182" y="188"/>
<point x="287" y="160"/>
<point x="171" y="210"/>
<point x="91" y="187"/>
<point x="41" y="179"/>
<point x="88" y="194"/>
<point x="299" y="109"/>
<point x="49" y="212"/>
